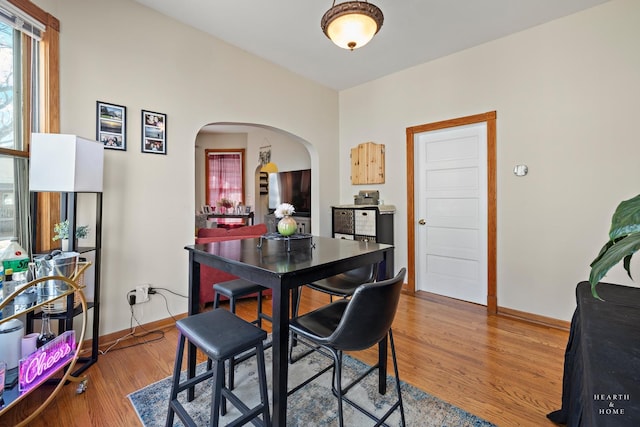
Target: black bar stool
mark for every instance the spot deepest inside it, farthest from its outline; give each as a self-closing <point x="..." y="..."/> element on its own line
<point x="221" y="335"/>
<point x="234" y="289"/>
<point x="238" y="288"/>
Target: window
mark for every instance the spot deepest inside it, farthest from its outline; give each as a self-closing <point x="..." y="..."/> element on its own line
<point x="21" y="31"/>
<point x="225" y="179"/>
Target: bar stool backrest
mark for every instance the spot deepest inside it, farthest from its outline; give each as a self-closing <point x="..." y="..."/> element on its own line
<point x="369" y="315"/>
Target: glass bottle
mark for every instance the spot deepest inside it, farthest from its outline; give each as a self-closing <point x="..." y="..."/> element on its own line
<point x="45" y="334"/>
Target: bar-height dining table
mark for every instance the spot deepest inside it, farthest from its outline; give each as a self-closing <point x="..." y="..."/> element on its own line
<point x="274" y="267"/>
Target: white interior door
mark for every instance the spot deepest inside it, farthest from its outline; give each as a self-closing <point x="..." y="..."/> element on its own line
<point x="451" y="202"/>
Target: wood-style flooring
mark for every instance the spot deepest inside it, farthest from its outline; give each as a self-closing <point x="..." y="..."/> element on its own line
<point x="504" y="370"/>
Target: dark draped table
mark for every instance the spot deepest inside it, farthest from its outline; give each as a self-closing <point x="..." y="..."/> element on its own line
<point x="601" y="383"/>
<point x="283" y="266"/>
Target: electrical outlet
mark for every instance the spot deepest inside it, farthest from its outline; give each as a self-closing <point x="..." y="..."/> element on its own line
<point x="142" y="293"/>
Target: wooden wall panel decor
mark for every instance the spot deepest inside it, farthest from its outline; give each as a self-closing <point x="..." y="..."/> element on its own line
<point x="367" y="164"/>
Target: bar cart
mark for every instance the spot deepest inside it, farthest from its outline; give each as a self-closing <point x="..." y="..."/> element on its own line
<point x="54" y="361"/>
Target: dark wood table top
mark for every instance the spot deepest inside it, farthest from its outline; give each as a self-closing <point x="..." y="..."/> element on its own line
<point x="309" y="259"/>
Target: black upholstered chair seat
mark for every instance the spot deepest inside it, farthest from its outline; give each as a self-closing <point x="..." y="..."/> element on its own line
<point x="237" y="288"/>
<point x="322" y="322"/>
<point x="345" y="284"/>
<point x="233" y="336"/>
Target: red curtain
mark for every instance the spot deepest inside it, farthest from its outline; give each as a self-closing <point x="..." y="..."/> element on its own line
<point x="225" y="178"/>
<point x="225" y="181"/>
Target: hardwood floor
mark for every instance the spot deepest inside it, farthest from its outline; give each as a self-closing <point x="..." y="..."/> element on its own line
<point x="504" y="370"/>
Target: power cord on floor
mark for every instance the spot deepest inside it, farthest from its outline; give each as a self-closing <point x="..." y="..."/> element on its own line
<point x="132" y="333"/>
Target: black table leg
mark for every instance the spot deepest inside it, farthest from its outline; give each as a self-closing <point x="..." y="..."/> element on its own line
<point x="194" y="307"/>
<point x="280" y="362"/>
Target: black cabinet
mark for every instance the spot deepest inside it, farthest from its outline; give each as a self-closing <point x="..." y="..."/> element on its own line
<point x="371" y="223"/>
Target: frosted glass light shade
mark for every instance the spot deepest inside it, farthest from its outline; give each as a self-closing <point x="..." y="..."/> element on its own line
<point x="65" y="163"/>
<point x="352" y="31"/>
<point x="352" y="24"/>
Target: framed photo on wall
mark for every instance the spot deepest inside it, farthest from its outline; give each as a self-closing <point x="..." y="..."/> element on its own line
<point x="111" y="125"/>
<point x="154" y="132"/>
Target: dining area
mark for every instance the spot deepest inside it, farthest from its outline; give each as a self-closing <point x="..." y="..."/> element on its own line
<point x="359" y="318"/>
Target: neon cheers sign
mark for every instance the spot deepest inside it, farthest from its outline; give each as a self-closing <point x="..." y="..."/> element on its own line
<point x="45" y="361"/>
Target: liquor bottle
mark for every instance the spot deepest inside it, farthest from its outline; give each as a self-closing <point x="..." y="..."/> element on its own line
<point x="45" y="335"/>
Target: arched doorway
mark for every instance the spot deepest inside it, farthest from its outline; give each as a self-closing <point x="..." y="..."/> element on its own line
<point x="287" y="152"/>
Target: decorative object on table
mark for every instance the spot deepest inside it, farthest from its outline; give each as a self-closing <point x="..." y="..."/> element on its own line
<point x="301" y="237"/>
<point x="62" y="233"/>
<point x="226" y="205"/>
<point x="154" y="132"/>
<point x="111" y="125"/>
<point x="624" y="241"/>
<point x="287" y="225"/>
<point x="307" y="409"/>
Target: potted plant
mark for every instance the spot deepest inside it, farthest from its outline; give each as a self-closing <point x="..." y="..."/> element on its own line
<point x="61" y="231"/>
<point x="287" y="225"/>
<point x="624" y="241"/>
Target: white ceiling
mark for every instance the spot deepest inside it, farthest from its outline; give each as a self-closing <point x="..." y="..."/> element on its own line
<point x="287" y="32"/>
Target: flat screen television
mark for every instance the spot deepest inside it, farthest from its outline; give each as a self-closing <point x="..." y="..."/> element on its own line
<point x="292" y="187"/>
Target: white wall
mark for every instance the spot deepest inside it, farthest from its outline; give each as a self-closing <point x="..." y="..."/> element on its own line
<point x="124" y="53"/>
<point x="567" y="100"/>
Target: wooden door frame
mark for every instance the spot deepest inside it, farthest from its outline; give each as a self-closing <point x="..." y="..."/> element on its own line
<point x="490" y="119"/>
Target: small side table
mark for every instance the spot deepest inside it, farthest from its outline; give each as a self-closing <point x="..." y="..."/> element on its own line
<point x="248" y="218"/>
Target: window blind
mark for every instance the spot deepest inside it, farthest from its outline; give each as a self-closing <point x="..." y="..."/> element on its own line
<point x="11" y="15"/>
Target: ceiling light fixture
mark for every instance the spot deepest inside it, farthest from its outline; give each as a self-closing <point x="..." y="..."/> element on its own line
<point x="352" y="24"/>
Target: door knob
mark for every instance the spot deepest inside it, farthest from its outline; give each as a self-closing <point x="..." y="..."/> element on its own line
<point x="422" y="222"/>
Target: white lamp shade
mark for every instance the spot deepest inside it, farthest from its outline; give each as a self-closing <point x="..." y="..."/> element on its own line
<point x="65" y="163"/>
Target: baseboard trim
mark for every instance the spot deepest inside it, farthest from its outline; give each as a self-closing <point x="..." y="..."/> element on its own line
<point x="534" y="318"/>
<point x="502" y="311"/>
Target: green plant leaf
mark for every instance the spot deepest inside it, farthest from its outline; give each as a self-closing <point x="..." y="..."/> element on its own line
<point x="623" y="248"/>
<point x="604" y="250"/>
<point x="626" y="218"/>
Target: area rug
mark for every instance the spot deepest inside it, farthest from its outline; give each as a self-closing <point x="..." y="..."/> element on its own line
<point x="312" y="405"/>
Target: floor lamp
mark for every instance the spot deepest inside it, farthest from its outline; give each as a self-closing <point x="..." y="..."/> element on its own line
<point x="67" y="164"/>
